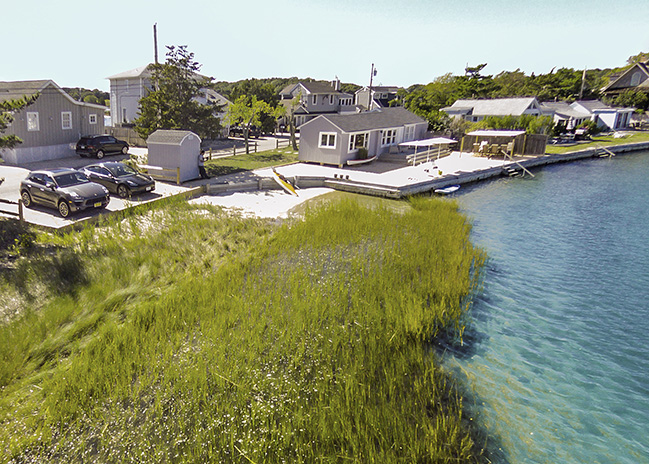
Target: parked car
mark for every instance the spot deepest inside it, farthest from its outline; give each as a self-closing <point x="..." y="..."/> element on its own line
<point x="67" y="190"/>
<point x="119" y="178"/>
<point x="100" y="145"/>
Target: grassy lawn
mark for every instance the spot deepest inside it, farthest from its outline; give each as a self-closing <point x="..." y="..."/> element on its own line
<point x="239" y="163"/>
<point x="604" y="141"/>
<point x="183" y="334"/>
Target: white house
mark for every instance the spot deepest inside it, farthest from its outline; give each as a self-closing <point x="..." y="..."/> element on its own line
<point x="477" y="110"/>
<point x="572" y="115"/>
<point x="128" y="87"/>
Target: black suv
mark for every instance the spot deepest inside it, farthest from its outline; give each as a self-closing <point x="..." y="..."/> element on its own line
<point x="100" y="145"/>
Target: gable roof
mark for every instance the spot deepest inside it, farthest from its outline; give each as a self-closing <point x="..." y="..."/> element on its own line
<point x="494" y="107"/>
<point x="14" y="90"/>
<point x="384" y="118"/>
<point x="616" y="80"/>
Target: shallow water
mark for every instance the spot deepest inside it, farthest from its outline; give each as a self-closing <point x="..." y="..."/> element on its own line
<point x="558" y="353"/>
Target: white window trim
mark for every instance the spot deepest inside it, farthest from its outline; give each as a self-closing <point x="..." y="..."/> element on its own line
<point x="388" y="141"/>
<point x="352" y="141"/>
<point x="328" y="134"/>
<point x="63" y="119"/>
<point x="314" y="99"/>
<point x="92" y="118"/>
<point x="34" y="115"/>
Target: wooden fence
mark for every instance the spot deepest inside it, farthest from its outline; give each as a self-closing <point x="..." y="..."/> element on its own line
<point x="159" y="173"/>
<point x="19" y="213"/>
<point x="524" y="144"/>
<point x="127" y="134"/>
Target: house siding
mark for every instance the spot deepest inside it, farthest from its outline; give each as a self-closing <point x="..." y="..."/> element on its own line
<point x="125" y="95"/>
<point x="51" y="141"/>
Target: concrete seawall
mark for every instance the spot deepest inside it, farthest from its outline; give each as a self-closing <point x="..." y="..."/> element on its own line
<point x="391" y="191"/>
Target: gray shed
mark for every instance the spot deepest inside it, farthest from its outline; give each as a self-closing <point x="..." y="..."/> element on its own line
<point x="175" y="149"/>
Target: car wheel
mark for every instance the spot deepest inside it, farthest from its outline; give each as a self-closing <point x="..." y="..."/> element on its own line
<point x="125" y="150"/>
<point x="64" y="209"/>
<point x="27" y="198"/>
<point x="123" y="191"/>
<point x="100" y="154"/>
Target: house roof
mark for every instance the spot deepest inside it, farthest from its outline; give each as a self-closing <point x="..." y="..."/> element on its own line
<point x="14" y="90"/>
<point x="378" y="119"/>
<point x="616" y="78"/>
<point x="17" y="89"/>
<point x="170" y="137"/>
<point x="141" y="71"/>
<point x="494" y="107"/>
<point x="311" y="88"/>
<point x="564" y="110"/>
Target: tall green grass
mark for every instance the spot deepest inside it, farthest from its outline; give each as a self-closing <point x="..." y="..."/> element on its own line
<point x="199" y="337"/>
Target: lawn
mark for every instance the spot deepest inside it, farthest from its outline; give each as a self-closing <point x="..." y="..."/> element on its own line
<point x="180" y="333"/>
<point x="239" y="163"/>
<point x="602" y="141"/>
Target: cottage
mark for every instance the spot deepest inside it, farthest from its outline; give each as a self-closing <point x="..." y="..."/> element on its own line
<point x="337" y="138"/>
<point x="317" y="98"/>
<point x="50" y="127"/>
<point x="377" y="97"/>
<point x="572" y="115"/>
<point x="477" y="110"/>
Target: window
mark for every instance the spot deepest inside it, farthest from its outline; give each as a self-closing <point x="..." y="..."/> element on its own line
<point x="92" y="118"/>
<point x="635" y="79"/>
<point x="124" y="115"/>
<point x="409" y="133"/>
<point x="357" y="141"/>
<point x="327" y="140"/>
<point x="314" y="99"/>
<point x="66" y="120"/>
<point x="388" y="137"/>
<point x="331" y="99"/>
<point x="32" y="122"/>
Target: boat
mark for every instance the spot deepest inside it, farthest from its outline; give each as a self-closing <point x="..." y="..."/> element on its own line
<point x="447" y="190"/>
<point x="361" y="161"/>
<point x="284" y="183"/>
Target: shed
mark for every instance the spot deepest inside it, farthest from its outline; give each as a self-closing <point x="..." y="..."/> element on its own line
<point x="175" y="150"/>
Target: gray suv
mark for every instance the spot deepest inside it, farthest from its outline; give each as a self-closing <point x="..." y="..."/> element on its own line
<point x="67" y="190"/>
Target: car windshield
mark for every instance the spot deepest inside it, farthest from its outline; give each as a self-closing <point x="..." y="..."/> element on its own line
<point x="70" y="178"/>
<point x="119" y="170"/>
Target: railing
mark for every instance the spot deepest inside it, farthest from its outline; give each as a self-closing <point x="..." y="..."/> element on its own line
<point x="20" y="213"/>
<point x="425" y="156"/>
<point x="216" y="154"/>
<point x="159" y="173"/>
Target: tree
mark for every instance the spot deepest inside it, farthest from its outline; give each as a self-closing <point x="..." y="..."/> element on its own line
<point x="287" y="111"/>
<point x="248" y="112"/>
<point x="7" y="108"/>
<point x="172" y="104"/>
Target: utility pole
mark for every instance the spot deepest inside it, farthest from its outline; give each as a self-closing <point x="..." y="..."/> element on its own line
<point x="155" y="42"/>
<point x="583" y="82"/>
<point x="369" y="98"/>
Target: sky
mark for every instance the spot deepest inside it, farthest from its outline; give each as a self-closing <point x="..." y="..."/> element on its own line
<point x="81" y="43"/>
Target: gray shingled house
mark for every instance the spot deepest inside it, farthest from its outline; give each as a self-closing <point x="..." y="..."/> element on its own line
<point x="477" y="110"/>
<point x="317" y="98"/>
<point x="337" y="138"/>
<point x="51" y="126"/>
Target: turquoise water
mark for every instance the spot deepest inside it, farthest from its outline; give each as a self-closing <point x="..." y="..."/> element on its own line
<point x="558" y="357"/>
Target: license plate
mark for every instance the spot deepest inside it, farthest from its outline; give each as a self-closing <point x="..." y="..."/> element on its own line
<point x="148" y="188"/>
<point x="98" y="204"/>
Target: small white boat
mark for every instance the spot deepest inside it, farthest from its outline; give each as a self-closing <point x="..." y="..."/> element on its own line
<point x="361" y="161"/>
<point x="447" y="190"/>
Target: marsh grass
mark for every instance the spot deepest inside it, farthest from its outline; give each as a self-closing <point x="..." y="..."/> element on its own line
<point x="202" y="337"/>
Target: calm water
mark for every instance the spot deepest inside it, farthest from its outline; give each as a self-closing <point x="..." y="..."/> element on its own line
<point x="559" y="355"/>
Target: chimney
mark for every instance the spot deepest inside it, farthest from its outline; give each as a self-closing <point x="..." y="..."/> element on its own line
<point x="336" y="84"/>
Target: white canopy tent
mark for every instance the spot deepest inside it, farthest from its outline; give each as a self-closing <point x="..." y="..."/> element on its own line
<point x="429" y="144"/>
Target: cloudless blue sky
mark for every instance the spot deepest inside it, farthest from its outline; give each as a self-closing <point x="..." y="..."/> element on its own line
<point x="80" y="43"/>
